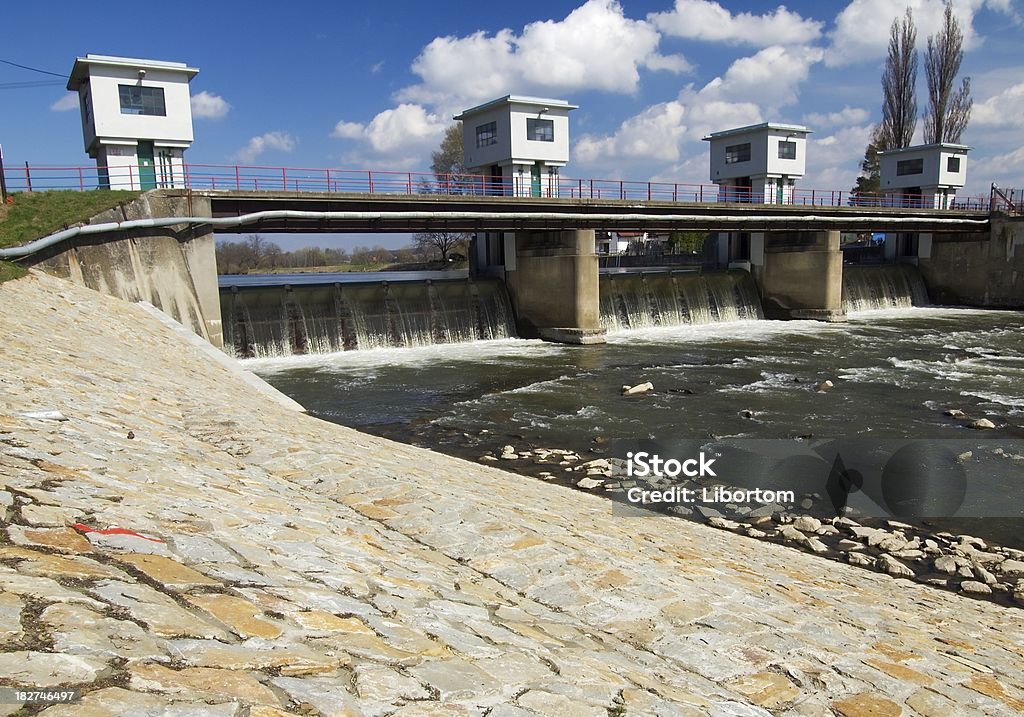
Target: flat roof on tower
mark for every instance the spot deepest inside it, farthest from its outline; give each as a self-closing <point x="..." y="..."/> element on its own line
<point x="517" y="100"/>
<point x="774" y="126"/>
<point x="80" y="70"/>
<point x="923" y="147"/>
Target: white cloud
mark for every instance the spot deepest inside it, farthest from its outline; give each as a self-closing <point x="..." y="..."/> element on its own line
<point x="705" y="20"/>
<point x="206" y="105"/>
<point x="281" y="141"/>
<point x="1003" y="110"/>
<point x="833" y="161"/>
<point x="406" y="126"/>
<point x="655" y="133"/>
<point x="348" y="130"/>
<point x="594" y="47"/>
<point x="769" y="78"/>
<point x="66" y="103"/>
<point x="751" y="89"/>
<point x="862" y="28"/>
<point x="844" y="117"/>
<point x="1002" y="168"/>
<point x="665" y="132"/>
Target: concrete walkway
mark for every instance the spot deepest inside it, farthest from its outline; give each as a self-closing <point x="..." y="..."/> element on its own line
<point x="269" y="563"/>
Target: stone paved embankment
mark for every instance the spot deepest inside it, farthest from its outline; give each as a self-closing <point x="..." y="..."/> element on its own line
<point x="182" y="545"/>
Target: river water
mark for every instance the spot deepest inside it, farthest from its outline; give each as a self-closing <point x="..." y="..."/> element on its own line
<point x="895" y="373"/>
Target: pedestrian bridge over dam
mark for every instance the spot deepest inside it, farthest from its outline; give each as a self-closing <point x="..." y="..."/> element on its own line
<point x="161" y="247"/>
<point x="365" y="212"/>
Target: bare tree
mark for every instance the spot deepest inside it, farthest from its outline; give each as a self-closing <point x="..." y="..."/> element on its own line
<point x="899" y="105"/>
<point x="949" y="109"/>
<point x="444" y="242"/>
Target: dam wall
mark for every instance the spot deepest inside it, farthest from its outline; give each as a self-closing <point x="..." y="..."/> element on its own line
<point x="174" y="268"/>
<point x="983" y="270"/>
<point x="287" y="320"/>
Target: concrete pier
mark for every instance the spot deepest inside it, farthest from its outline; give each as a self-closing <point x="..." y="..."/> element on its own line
<point x="180" y="543"/>
<point x="553" y="286"/>
<point x="802" y="276"/>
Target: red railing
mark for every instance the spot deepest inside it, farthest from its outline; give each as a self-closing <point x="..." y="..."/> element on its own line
<point x="1007" y="201"/>
<point x="297" y="179"/>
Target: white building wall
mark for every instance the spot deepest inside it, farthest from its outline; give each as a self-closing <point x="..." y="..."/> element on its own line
<point x="121" y="165"/>
<point x="556" y="152"/>
<point x="952" y="179"/>
<point x="796" y="167"/>
<point x="479" y="159"/>
<point x="106" y="105"/>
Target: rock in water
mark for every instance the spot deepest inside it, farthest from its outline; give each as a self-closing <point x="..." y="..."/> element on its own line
<point x="983" y="423"/>
<point x="640" y="388"/>
<point x="824" y="386"/>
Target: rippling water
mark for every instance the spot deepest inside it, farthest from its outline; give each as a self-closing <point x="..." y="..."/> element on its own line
<point x="895" y="373"/>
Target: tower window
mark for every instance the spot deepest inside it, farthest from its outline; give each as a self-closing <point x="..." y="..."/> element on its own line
<point x="909" y="166"/>
<point x="137" y="100"/>
<point x="540" y="130"/>
<point x="487" y="134"/>
<point x="736" y="153"/>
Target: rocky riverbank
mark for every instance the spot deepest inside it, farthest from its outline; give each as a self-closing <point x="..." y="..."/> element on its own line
<point x="957" y="562"/>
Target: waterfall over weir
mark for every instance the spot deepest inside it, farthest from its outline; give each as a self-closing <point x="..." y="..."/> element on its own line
<point x="671" y="298"/>
<point x="266" y="321"/>
<point x="890" y="286"/>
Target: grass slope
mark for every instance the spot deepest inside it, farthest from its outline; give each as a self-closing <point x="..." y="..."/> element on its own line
<point x="37" y="214"/>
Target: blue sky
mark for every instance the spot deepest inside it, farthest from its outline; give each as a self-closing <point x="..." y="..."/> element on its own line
<point x="373" y="85"/>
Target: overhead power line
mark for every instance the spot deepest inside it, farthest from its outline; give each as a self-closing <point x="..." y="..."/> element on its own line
<point x="34" y="69"/>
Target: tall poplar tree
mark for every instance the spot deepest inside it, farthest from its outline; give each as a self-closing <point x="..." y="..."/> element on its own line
<point x="949" y="109"/>
<point x="899" y="82"/>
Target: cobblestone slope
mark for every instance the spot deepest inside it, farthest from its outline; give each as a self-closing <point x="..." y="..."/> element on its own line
<point x="181" y="545"/>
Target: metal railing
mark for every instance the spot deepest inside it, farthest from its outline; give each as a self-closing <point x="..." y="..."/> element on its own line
<point x="1007" y="201"/>
<point x="28" y="178"/>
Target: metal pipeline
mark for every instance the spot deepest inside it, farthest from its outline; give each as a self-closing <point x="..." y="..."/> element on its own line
<point x="19" y="252"/>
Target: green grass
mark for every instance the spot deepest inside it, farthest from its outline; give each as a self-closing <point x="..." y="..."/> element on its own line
<point x="10" y="271"/>
<point x="33" y="215"/>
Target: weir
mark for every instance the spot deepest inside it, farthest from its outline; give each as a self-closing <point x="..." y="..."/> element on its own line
<point x="672" y="298"/>
<point x="325" y="318"/>
<point x="892" y="286"/>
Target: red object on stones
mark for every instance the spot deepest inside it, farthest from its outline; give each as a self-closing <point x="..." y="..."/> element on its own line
<point x="83" y="528"/>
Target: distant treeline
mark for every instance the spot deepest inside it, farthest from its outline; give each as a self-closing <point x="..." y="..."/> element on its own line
<point x="255" y="253"/>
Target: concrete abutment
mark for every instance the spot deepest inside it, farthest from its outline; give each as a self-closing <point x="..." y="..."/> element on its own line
<point x="983" y="269"/>
<point x="174" y="268"/>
